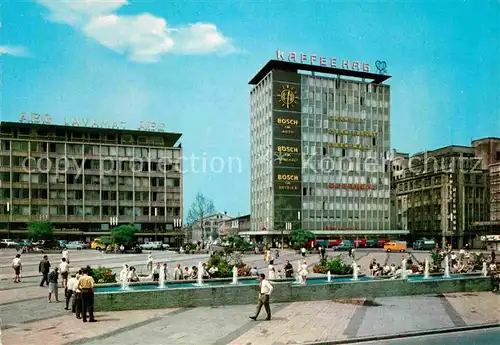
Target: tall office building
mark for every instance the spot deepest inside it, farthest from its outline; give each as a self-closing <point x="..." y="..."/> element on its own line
<point x="86" y="180"/>
<point x="440" y="194"/>
<point x="320" y="149"/>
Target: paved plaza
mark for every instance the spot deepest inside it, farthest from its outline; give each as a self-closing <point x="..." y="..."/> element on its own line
<point x="27" y="317"/>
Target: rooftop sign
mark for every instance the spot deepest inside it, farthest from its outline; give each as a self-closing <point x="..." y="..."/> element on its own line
<point x="333" y="62"/>
<point x="46" y="119"/>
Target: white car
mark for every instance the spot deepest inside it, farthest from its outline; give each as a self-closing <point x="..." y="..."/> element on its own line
<point x="151" y="245"/>
<point x="9" y="243"/>
<point x="74" y="245"/>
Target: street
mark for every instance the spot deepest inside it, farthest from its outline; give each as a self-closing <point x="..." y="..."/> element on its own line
<point x="488" y="336"/>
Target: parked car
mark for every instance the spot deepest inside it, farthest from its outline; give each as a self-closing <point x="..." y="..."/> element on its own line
<point x="360" y="242"/>
<point x="424" y="244"/>
<point x="152" y="245"/>
<point x="372" y="243"/>
<point x="74" y="245"/>
<point x="333" y="243"/>
<point x="101" y="243"/>
<point x="10" y="244"/>
<point x="382" y="242"/>
<point x="396" y="246"/>
<point x="344" y="246"/>
<point x="84" y="244"/>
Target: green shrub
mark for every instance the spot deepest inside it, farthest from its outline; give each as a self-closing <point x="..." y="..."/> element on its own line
<point x="335" y="266"/>
<point x="225" y="266"/>
<point x="102" y="275"/>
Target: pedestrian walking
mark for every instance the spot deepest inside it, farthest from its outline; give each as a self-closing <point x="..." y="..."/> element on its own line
<point x="265" y="290"/>
<point x="65" y="255"/>
<point x="86" y="286"/>
<point x="64" y="269"/>
<point x="149" y="263"/>
<point x="16" y="265"/>
<point x="70" y="287"/>
<point x="44" y="268"/>
<point x="303" y="251"/>
<point x="53" y="288"/>
<point x="77" y="297"/>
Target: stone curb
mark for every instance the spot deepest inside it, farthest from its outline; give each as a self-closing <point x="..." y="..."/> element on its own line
<point x="406" y="334"/>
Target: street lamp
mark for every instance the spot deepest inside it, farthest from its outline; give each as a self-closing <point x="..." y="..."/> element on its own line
<point x="178" y="225"/>
<point x="156" y="215"/>
<point x="113" y="221"/>
<point x="288" y="227"/>
<point x="8" y="220"/>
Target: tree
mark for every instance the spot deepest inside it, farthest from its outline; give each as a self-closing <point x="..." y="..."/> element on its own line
<point x="124" y="234"/>
<point x="300" y="237"/>
<point x="214" y="234"/>
<point x="201" y="208"/>
<point x="40" y="230"/>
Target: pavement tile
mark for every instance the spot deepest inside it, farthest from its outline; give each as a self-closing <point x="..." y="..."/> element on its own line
<point x="66" y="329"/>
<point x="476" y="308"/>
<point x="403" y="314"/>
<point x="301" y="322"/>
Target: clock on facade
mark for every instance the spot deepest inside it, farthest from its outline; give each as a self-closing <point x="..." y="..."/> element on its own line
<point x="288" y="96"/>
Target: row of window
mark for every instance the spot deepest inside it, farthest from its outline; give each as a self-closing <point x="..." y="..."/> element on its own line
<point x="89" y="149"/>
<point x="138" y="182"/>
<point x="37" y="210"/>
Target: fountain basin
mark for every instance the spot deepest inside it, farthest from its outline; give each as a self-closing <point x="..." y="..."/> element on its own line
<point x="220" y="292"/>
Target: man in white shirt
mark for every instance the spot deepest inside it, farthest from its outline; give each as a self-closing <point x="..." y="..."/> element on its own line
<point x="64" y="269"/>
<point x="265" y="290"/>
<point x="65" y="255"/>
<point x="16" y="265"/>
<point x="70" y="288"/>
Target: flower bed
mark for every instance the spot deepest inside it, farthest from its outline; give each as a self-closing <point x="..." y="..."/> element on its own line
<point x="225" y="265"/>
<point x="102" y="275"/>
<point x="335" y="266"/>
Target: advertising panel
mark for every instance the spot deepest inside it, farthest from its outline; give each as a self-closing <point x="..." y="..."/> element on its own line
<point x="287" y="148"/>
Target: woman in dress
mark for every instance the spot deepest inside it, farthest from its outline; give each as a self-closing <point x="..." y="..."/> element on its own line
<point x="303" y="272"/>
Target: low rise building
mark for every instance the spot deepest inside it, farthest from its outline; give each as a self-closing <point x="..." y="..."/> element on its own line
<point x="207" y="229"/>
<point x="233" y="226"/>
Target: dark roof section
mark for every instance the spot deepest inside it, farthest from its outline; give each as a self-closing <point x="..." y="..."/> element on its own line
<point x="295" y="67"/>
<point x="170" y="138"/>
<point x="486" y="139"/>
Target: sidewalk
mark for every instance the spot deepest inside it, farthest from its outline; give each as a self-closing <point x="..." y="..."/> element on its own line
<point x="294" y="323"/>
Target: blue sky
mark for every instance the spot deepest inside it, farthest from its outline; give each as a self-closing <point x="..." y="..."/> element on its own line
<point x="187" y="63"/>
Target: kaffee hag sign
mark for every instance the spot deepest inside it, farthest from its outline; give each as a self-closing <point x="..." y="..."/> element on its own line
<point x="314" y="59"/>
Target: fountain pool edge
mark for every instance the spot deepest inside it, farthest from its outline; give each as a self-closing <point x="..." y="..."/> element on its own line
<point x="284" y="292"/>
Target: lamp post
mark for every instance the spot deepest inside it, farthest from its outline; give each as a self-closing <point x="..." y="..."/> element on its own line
<point x="178" y="225"/>
<point x="288" y="227"/>
<point x="8" y="220"/>
<point x="113" y="221"/>
<point x="156" y="215"/>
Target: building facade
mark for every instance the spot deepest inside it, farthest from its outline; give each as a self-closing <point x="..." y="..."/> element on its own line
<point x="320" y="152"/>
<point x="440" y="194"/>
<point x="489" y="150"/>
<point x="86" y="180"/>
<point x="210" y="229"/>
<point x="235" y="226"/>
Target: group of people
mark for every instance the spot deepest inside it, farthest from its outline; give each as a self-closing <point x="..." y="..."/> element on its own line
<point x="379" y="270"/>
<point x="78" y="289"/>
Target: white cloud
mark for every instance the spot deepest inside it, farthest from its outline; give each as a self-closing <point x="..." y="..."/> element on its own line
<point x="13" y="50"/>
<point x="76" y="12"/>
<point x="143" y="37"/>
<point x="200" y="38"/>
